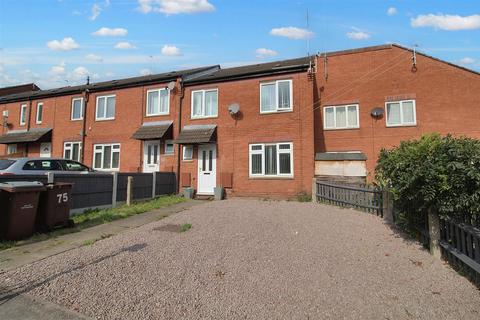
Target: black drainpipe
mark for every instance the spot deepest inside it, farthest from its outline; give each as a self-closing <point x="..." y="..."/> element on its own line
<point x="182" y="93"/>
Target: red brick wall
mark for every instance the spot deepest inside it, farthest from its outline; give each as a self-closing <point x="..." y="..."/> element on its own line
<point x="446" y="99"/>
<point x="234" y="137"/>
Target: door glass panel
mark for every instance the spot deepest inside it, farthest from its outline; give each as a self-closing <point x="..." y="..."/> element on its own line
<point x="149" y="154"/>
<point x="204" y="160"/>
<point x="210" y="156"/>
<point x="155" y="154"/>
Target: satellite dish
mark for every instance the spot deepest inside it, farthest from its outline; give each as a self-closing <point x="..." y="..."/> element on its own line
<point x="234" y="108"/>
<point x="377" y="112"/>
<point x="171" y="85"/>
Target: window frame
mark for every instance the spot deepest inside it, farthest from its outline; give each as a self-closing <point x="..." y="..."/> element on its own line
<point x="168" y="103"/>
<point x="278" y="152"/>
<point x="277" y="109"/>
<point x="103" y="145"/>
<point x="71" y="149"/>
<point x="347" y="127"/>
<point x="183" y="153"/>
<point x="23" y="117"/>
<point x="11" y="146"/>
<point x="402" y="123"/>
<point x="96" y="107"/>
<point x="81" y="109"/>
<point x="167" y="142"/>
<point x="39" y="106"/>
<point x="204" y="94"/>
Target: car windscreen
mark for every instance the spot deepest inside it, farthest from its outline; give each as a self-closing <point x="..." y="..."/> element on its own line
<point x="5" y="164"/>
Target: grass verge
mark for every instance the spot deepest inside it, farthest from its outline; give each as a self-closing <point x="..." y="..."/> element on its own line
<point x="95" y="217"/>
<point x="185" y="227"/>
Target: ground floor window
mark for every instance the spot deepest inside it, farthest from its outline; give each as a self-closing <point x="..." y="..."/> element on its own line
<point x="11" y="148"/>
<point x="106" y="156"/>
<point x="169" y="149"/>
<point x="187" y="152"/>
<point x="271" y="159"/>
<point x="71" y="150"/>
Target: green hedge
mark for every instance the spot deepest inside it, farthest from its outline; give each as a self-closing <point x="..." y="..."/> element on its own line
<point x="439" y="172"/>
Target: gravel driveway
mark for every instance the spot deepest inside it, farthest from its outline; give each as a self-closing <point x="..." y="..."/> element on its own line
<point x="249" y="259"/>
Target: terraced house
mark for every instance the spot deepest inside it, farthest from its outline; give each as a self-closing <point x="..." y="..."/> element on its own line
<point x="257" y="130"/>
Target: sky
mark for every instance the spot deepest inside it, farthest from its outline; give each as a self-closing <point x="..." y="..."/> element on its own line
<point x="57" y="43"/>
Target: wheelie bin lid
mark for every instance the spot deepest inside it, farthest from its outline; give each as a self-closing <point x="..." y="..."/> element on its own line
<point x="21" y="186"/>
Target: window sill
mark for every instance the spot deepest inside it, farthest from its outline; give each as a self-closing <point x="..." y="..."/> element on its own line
<point x="168" y="154"/>
<point x="271" y="177"/>
<point x="187" y="160"/>
<point x="106" y="119"/>
<point x="79" y="119"/>
<point x="106" y="170"/>
<point x="277" y="111"/>
<point x="200" y="118"/>
<point x="401" y="125"/>
<point x="334" y="129"/>
<point x="157" y="115"/>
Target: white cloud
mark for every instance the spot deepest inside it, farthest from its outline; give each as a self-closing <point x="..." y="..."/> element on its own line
<point x="171" y="51"/>
<point x="358" y="35"/>
<point x="447" y="22"/>
<point x="80" y="74"/>
<point x="65" y="45"/>
<point x="175" y="6"/>
<point x="95" y="11"/>
<point x="93" y="57"/>
<point x="264" y="53"/>
<point x="124" y="45"/>
<point x="292" y="33"/>
<point x="110" y="32"/>
<point x="392" y="11"/>
<point x="145" y="72"/>
<point x="466" y="61"/>
<point x="58" y="70"/>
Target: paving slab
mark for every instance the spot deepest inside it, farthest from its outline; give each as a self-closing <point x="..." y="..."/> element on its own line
<point x="28" y="253"/>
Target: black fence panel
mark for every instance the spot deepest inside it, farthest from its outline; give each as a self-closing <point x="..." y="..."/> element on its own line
<point x="8" y="178"/>
<point x="165" y="183"/>
<point x="90" y="190"/>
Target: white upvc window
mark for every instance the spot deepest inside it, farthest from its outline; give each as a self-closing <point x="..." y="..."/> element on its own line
<point x="341" y="117"/>
<point x="204" y="103"/>
<point x="77" y="109"/>
<point x="401" y="113"/>
<point x="105" y="108"/>
<point x="158" y="102"/>
<point x="39" y="117"/>
<point x="72" y="150"/>
<point x="271" y="159"/>
<point x="276" y="96"/>
<point x="11" y="148"/>
<point x="187" y="153"/>
<point x="169" y="147"/>
<point x="106" y="157"/>
<point x="23" y="114"/>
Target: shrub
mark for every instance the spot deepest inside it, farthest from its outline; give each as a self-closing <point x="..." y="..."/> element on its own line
<point x="442" y="173"/>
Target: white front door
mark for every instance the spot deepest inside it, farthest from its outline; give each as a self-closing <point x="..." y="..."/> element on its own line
<point x="45" y="149"/>
<point x="207" y="168"/>
<point x="151" y="156"/>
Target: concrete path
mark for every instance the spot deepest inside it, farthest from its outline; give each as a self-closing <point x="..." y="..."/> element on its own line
<point x="28" y="253"/>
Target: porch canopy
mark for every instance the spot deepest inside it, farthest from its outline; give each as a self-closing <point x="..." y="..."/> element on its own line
<point x="153" y="130"/>
<point x="196" y="134"/>
<point x="32" y="135"/>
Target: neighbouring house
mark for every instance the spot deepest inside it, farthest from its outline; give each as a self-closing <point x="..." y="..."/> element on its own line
<point x="5" y="91"/>
<point x="256" y="130"/>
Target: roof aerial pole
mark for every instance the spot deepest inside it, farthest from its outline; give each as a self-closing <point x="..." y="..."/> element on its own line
<point x="308" y="38"/>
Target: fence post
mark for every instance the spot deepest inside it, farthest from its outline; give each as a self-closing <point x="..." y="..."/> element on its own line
<point x="387" y="206"/>
<point x="154" y="184"/>
<point x="434" y="233"/>
<point x="129" y="190"/>
<point x="114" y="188"/>
<point x="50" y="177"/>
<point x="314" y="190"/>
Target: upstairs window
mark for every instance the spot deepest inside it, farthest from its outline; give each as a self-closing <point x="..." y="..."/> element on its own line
<point x="158" y="102"/>
<point x="204" y="103"/>
<point x="401" y="113"/>
<point x="271" y="160"/>
<point x="276" y="96"/>
<point x="23" y="114"/>
<point x="341" y="117"/>
<point x="77" y="109"/>
<point x="39" y="118"/>
<point x="105" y="108"/>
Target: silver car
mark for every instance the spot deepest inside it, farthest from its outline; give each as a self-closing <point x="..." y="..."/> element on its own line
<point x="36" y="166"/>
